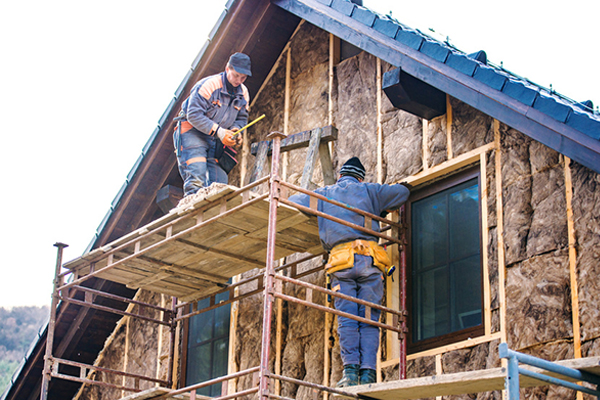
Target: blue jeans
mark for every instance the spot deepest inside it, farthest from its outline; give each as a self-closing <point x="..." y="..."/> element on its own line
<point x="359" y="341"/>
<point x="196" y="160"/>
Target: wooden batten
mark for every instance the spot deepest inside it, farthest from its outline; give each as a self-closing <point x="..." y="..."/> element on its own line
<point x="425" y="146"/>
<point x="232" y="367"/>
<point x="444" y="349"/>
<point x="449" y="166"/>
<point x="379" y="127"/>
<point x="500" y="233"/>
<point x="161" y="328"/>
<point x="449" y="128"/>
<point x="438" y="369"/>
<point x="487" y="295"/>
<point x="392" y="290"/>
<point x="286" y="108"/>
<point x="572" y="260"/>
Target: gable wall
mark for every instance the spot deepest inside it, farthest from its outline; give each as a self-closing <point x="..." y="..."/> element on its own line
<point x="525" y="224"/>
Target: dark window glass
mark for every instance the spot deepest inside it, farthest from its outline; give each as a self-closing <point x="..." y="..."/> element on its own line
<point x="208" y="343"/>
<point x="445" y="262"/>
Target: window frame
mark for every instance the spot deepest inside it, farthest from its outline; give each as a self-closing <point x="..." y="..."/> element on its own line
<point x="185" y="343"/>
<point x="446" y="182"/>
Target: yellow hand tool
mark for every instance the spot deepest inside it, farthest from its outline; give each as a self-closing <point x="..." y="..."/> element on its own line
<point x="250" y="124"/>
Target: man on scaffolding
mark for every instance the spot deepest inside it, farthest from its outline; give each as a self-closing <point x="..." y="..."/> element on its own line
<point x="356" y="262"/>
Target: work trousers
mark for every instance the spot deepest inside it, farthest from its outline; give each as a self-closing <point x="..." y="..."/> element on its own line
<point x="358" y="341"/>
<point x="196" y="160"/>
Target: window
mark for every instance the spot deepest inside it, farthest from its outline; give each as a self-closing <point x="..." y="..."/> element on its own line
<point x="445" y="296"/>
<point x="207" y="345"/>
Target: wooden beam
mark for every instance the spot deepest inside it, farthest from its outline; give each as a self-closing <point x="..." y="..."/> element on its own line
<point x="311" y="158"/>
<point x="298" y="140"/>
<point x="379" y="127"/>
<point x="487" y="295"/>
<point x="286" y="107"/>
<point x="425" y="146"/>
<point x="447" y="167"/>
<point x="232" y="366"/>
<point x="500" y="233"/>
<point x="449" y="151"/>
<point x="572" y="259"/>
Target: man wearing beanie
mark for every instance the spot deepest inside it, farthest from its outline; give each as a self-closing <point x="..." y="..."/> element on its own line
<point x="356" y="262"/>
<point x="216" y="108"/>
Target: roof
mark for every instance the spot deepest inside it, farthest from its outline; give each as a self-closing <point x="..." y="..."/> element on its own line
<point x="562" y="124"/>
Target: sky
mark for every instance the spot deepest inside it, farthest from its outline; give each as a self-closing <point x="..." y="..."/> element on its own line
<point x="84" y="83"/>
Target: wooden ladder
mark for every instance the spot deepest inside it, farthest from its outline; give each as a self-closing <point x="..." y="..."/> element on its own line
<point x="317" y="142"/>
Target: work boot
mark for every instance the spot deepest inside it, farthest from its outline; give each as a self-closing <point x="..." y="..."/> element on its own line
<point x="367" y="376"/>
<point x="350" y="377"/>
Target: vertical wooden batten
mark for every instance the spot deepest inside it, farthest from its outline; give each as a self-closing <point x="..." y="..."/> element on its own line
<point x="392" y="290"/>
<point x="487" y="296"/>
<point x="160" y="337"/>
<point x="572" y="260"/>
<point x="500" y="234"/>
<point x="449" y="128"/>
<point x="425" y="145"/>
<point x="232" y="367"/>
<point x="439" y="370"/>
<point x="379" y="127"/>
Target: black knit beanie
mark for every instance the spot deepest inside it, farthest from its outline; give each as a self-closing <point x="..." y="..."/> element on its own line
<point x="353" y="167"/>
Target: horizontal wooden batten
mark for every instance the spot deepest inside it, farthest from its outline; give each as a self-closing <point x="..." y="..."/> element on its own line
<point x="450" y="166"/>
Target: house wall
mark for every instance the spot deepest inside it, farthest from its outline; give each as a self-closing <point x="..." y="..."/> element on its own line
<point x="136" y="347"/>
<point x="540" y="264"/>
<point x="529" y="282"/>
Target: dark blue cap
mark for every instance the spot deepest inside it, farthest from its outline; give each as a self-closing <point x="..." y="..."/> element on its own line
<point x="240" y="62"/>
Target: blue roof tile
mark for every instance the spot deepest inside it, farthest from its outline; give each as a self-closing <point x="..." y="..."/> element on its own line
<point x="150" y="141"/>
<point x="553" y="107"/>
<point x="435" y="50"/>
<point x="326" y="2"/>
<point x="409" y="38"/>
<point x="583" y="122"/>
<point x="215" y="28"/>
<point x="165" y="115"/>
<point x="200" y="55"/>
<point x="363" y="15"/>
<point x="184" y="82"/>
<point x="490" y="77"/>
<point x="343" y="6"/>
<point x="462" y="63"/>
<point x="519" y="91"/>
<point x="386" y="26"/>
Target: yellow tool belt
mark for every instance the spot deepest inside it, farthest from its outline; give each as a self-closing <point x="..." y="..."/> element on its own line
<point x="342" y="255"/>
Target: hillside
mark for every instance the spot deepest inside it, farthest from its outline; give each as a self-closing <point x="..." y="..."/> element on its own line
<point x="19" y="326"/>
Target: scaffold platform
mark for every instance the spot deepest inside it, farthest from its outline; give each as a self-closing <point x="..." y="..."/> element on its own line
<point x="195" y="249"/>
<point x="461" y="382"/>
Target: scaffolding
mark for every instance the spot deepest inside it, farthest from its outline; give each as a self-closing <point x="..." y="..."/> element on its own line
<point x="232" y="231"/>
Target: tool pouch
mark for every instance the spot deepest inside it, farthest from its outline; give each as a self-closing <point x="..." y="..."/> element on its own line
<point x="226" y="156"/>
<point x="342" y="255"/>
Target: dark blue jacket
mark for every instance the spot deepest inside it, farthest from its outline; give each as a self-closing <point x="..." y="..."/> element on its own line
<point x="371" y="197"/>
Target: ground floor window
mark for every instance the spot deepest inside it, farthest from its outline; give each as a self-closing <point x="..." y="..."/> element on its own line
<point x="445" y="278"/>
<point x="208" y="345"/>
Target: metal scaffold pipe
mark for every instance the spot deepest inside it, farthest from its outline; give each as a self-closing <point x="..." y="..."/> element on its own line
<point x="270" y="268"/>
<point x="52" y="322"/>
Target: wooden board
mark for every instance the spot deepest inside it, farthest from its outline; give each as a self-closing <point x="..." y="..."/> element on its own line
<point x="155" y="392"/>
<point x="462" y="382"/>
<point x="173" y="257"/>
